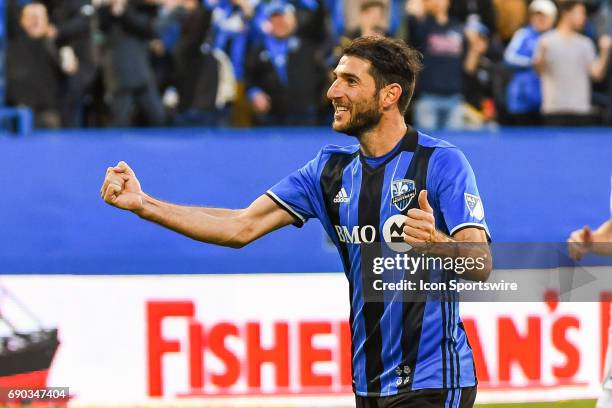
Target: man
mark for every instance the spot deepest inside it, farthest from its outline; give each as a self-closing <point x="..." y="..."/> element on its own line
<point x="71" y="30"/>
<point x="450" y="51"/>
<point x="421" y="358"/>
<point x="33" y="67"/>
<point x="523" y="94"/>
<point x="599" y="242"/>
<point x="128" y="27"/>
<point x="567" y="62"/>
<point x="284" y="74"/>
<point x="195" y="74"/>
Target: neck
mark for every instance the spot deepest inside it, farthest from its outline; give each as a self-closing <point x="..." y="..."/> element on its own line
<point x="565" y="28"/>
<point x="384" y="137"/>
<point x="441" y="17"/>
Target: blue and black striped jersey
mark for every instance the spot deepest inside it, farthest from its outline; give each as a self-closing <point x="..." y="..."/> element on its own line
<point x="397" y="344"/>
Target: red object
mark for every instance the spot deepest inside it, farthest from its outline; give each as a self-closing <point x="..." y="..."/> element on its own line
<point x="34" y="379"/>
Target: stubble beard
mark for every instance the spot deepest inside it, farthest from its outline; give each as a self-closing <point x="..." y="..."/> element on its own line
<point x="361" y="121"/>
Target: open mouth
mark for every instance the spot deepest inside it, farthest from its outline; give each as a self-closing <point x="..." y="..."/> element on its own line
<point x="339" y="110"/>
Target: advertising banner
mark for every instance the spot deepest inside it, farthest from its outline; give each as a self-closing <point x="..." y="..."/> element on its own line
<point x="280" y="338"/>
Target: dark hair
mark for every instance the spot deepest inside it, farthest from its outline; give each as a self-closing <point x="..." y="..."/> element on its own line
<point x="392" y="61"/>
<point x="368" y="4"/>
<point x="568" y="5"/>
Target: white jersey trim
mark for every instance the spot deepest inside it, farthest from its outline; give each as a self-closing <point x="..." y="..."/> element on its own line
<point x="470" y="224"/>
<point x="287" y="206"/>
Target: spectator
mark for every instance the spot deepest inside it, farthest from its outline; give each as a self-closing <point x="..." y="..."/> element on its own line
<point x="448" y="52"/>
<point x="33" y="67"/>
<point x="566" y="61"/>
<point x="230" y="29"/>
<point x="285" y="73"/>
<point x="197" y="73"/>
<point x="128" y="27"/>
<point x="71" y="31"/>
<point x="311" y="19"/>
<point x="230" y="33"/>
<point x="372" y="20"/>
<point x="524" y="97"/>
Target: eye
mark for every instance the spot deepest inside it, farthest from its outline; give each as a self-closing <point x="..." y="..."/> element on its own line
<point x="352" y="81"/>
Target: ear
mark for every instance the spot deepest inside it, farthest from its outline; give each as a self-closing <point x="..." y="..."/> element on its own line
<point x="390" y="95"/>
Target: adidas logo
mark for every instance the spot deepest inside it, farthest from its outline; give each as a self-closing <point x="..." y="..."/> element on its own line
<point x="341" y="197"/>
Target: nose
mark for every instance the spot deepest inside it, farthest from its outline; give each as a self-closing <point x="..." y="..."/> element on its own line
<point x="334" y="91"/>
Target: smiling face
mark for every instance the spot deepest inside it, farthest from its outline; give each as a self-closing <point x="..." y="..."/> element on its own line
<point x="354" y="97"/>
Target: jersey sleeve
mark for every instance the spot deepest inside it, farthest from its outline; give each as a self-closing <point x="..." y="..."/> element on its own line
<point x="297" y="192"/>
<point x="456" y="195"/>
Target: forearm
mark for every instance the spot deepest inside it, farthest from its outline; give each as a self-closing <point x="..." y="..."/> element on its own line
<point x="476" y="256"/>
<point x="470" y="64"/>
<point x="210" y="225"/>
<point x="218" y="212"/>
<point x="599" y="68"/>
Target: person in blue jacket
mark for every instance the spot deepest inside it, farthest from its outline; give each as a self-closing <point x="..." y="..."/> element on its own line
<point x="523" y="97"/>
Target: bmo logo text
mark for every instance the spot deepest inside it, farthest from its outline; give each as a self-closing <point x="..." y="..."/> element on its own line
<point x="358" y="235"/>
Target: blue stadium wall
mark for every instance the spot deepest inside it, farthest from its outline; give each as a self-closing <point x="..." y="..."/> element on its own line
<point x="537" y="186"/>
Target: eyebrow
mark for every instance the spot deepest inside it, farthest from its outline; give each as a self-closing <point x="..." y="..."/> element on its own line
<point x="346" y="75"/>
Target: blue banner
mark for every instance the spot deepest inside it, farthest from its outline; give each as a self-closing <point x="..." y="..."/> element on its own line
<point x="536" y="185"/>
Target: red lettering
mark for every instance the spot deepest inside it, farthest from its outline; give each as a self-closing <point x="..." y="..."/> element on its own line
<point x="196" y="355"/>
<point x="482" y="371"/>
<point x="216" y="339"/>
<point x="278" y="354"/>
<point x="157" y="346"/>
<point x="606" y="302"/>
<point x="346" y="355"/>
<point x="524" y="350"/>
<point x="572" y="355"/>
<point x="309" y="355"/>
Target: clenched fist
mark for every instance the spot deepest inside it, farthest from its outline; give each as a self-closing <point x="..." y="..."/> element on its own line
<point x="121" y="188"/>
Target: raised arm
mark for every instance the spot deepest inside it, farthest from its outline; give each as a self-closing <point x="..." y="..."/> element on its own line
<point x="599" y="68"/>
<point x="231" y="228"/>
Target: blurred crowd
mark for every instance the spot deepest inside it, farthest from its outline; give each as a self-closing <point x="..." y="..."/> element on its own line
<point x="123" y="63"/>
